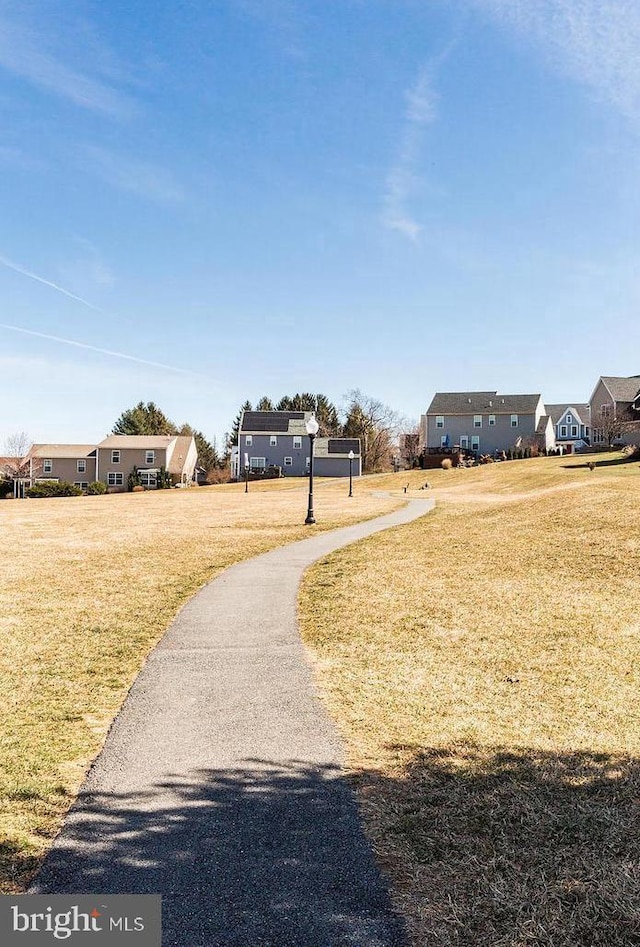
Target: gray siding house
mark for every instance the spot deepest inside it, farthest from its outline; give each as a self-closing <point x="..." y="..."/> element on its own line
<point x="280" y="439"/>
<point x="616" y="398"/>
<point x="485" y="422"/>
<point x="572" y="425"/>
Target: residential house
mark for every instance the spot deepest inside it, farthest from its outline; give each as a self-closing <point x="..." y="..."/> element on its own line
<point x="75" y="463"/>
<point x="572" y="425"/>
<point x="616" y="399"/>
<point x="280" y="439"/>
<point x="118" y="455"/>
<point x="485" y="422"/>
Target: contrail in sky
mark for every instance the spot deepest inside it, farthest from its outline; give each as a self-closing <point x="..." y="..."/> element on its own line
<point x="40" y="279"/>
<point x="95" y="348"/>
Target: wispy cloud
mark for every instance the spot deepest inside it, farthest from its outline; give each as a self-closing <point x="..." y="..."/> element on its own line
<point x="403" y="178"/>
<point x="594" y="41"/>
<point x="25" y="51"/>
<point x="137" y="177"/>
<point x="95" y="348"/>
<point x="17" y="268"/>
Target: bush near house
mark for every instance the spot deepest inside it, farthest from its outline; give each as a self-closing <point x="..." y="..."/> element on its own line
<point x="97" y="488"/>
<point x="51" y="488"/>
<point x="6" y="488"/>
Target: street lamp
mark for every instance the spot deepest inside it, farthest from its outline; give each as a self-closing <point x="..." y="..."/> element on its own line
<point x="351" y="456"/>
<point x="246" y="473"/>
<point x="312" y="429"/>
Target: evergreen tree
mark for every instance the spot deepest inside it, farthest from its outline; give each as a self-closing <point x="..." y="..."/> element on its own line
<point x="144" y="419"/>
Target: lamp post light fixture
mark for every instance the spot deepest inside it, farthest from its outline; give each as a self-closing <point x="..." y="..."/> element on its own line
<point x="351" y="456"/>
<point x="312" y="427"/>
<point x="246" y="473"/>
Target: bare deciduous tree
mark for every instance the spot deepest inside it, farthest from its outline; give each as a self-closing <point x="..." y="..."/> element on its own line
<point x="18" y="464"/>
<point x="376" y="424"/>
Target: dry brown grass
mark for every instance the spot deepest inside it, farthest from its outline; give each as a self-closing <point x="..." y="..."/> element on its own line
<point x="486" y="683"/>
<point x="88" y="585"/>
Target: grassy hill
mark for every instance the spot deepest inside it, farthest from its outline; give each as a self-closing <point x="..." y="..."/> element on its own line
<point x="483" y="664"/>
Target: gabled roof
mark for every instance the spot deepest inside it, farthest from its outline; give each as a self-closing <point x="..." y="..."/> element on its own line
<point x="622" y="389"/>
<point x="581" y="411"/>
<point x="274" y="422"/>
<point x="482" y="402"/>
<point x="179" y="454"/>
<point x="542" y="424"/>
<point x="62" y="451"/>
<point x="138" y="441"/>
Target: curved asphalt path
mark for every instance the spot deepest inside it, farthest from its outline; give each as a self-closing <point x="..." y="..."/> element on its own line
<point x="220" y="785"/>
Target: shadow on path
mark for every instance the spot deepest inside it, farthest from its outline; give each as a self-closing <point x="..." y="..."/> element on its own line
<point x="258" y="855"/>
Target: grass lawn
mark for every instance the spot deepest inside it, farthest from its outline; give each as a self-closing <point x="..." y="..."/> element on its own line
<point x="87" y="587"/>
<point x="483" y="664"/>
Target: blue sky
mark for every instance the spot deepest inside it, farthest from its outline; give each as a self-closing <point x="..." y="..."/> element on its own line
<point x="250" y="197"/>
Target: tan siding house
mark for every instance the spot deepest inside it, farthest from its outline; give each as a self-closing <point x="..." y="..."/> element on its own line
<point x="118" y="454"/>
<point x="73" y="462"/>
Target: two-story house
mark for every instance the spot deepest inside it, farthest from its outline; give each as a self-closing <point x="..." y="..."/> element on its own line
<point x="118" y="454"/>
<point x="615" y="415"/>
<point x="280" y="439"/>
<point x="572" y="425"/>
<point x="75" y="463"/>
<point x="485" y="422"/>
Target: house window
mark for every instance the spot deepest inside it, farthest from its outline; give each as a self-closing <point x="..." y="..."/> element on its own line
<point x="80" y="483"/>
<point x="115" y="456"/>
<point x="492" y="420"/>
<point x="258" y="463"/>
<point x="439" y="420"/>
<point x="464" y="441"/>
<point x="475" y="442"/>
<point x="297" y="442"/>
<point x="605" y="411"/>
<point x="273" y="441"/>
<point x="115" y="479"/>
<point x="148" y="478"/>
<point x="563" y="430"/>
<point x="444" y="440"/>
<point x="288" y="461"/>
<point x="586" y="432"/>
<point x="47" y="466"/>
<point x="569" y="419"/>
<point x="574" y="430"/>
<point x="514" y="420"/>
<point x="150" y="457"/>
<point x="248" y="440"/>
<point x="477" y="420"/>
<point x="81" y="466"/>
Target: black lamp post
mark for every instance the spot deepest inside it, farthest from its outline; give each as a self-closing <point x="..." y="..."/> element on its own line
<point x="246" y="473"/>
<point x="351" y="456"/>
<point x="312" y="429"/>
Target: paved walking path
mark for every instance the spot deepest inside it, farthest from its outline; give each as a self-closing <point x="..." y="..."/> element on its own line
<point x="220" y="786"/>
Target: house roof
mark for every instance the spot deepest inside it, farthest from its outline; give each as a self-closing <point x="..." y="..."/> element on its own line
<point x="482" y="402"/>
<point x="138" y="441"/>
<point x="342" y="445"/>
<point x="179" y="454"/>
<point x="273" y="422"/>
<point x="582" y="411"/>
<point x="62" y="450"/>
<point x="542" y="424"/>
<point x="622" y="389"/>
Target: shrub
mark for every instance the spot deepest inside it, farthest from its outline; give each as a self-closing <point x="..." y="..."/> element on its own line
<point x="446" y="464"/>
<point x="96" y="488"/>
<point x="133" y="480"/>
<point x="49" y="488"/>
<point x="219" y="475"/>
<point x="6" y="488"/>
